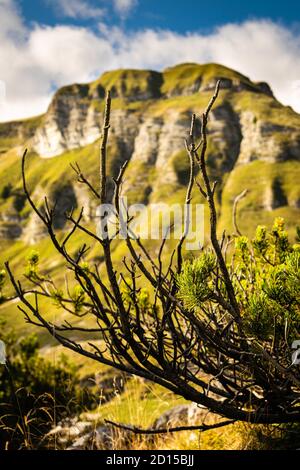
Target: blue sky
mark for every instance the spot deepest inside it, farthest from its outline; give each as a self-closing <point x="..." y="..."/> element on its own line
<point x="45" y="44"/>
<point x="180" y="16"/>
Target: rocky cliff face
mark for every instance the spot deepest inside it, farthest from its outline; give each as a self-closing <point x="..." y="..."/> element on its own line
<point x="260" y="140"/>
<point x="150" y="120"/>
<point x="74" y="116"/>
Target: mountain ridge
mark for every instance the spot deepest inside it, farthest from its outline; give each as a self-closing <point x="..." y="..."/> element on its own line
<point x="131" y="85"/>
<point x="250" y="132"/>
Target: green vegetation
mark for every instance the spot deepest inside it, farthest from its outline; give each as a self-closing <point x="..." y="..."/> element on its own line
<point x="133" y="84"/>
<point x="258" y="177"/>
<point x="30" y="399"/>
<point x="267" y="273"/>
<point x="182" y="76"/>
<point x="265" y="108"/>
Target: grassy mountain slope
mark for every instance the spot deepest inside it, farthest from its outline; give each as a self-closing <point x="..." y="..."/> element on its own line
<point x="254" y="143"/>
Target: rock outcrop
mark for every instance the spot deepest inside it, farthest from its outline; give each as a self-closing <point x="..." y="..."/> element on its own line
<point x="266" y="141"/>
<point x="184" y="415"/>
<point x="73" y="434"/>
<point x="92" y="434"/>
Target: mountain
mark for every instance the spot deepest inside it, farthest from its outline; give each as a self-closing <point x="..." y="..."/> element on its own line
<point x="254" y="144"/>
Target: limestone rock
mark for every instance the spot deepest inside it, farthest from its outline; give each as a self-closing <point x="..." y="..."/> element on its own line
<point x="74" y="434"/>
<point x="184" y="415"/>
<point x="265" y="141"/>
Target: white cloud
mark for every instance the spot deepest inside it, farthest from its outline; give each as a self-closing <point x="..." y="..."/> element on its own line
<point x="37" y="61"/>
<point x="11" y="21"/>
<point x="124" y="6"/>
<point x="76" y="9"/>
<point x="83" y="9"/>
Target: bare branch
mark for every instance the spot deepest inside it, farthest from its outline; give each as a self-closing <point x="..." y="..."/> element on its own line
<point x="201" y="427"/>
<point x="237" y="199"/>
